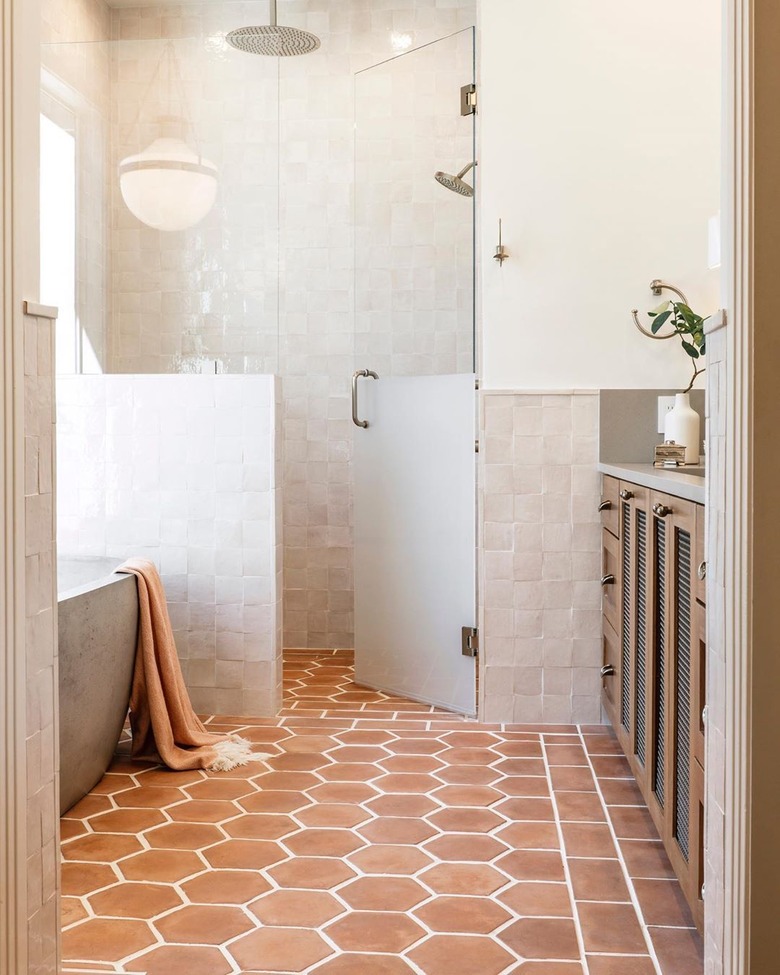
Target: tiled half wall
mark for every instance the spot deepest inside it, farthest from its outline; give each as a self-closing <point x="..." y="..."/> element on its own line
<point x="540" y="557"/>
<point x="185" y="470"/>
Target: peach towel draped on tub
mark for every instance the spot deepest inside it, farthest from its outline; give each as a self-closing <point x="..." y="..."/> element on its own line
<point x="162" y="719"/>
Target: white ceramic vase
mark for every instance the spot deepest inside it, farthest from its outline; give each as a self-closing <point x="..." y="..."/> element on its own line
<point x="683" y="426"/>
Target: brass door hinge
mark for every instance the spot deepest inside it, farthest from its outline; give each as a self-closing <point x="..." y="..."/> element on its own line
<point x="468" y="100"/>
<point x="469" y="641"/>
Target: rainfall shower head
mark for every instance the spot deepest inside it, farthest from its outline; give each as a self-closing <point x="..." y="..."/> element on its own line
<point x="457" y="183"/>
<point x="272" y="40"/>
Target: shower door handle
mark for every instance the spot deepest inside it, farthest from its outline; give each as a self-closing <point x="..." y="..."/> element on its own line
<point x="360" y="374"/>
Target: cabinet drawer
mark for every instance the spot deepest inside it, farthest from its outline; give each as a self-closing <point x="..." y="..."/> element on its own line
<point x="610" y="488"/>
<point x="610" y="578"/>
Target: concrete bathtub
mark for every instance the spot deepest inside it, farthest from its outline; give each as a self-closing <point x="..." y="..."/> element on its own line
<point x="98" y="630"/>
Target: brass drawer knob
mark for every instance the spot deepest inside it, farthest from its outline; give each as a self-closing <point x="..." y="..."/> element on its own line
<point x="608" y="580"/>
<point x="607" y="671"/>
<point x="605" y="506"/>
<point x="626" y="495"/>
<point x="701" y="572"/>
<point x="661" y="510"/>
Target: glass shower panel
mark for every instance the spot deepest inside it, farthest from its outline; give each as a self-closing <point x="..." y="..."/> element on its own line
<point x="198" y="300"/>
<point x="414" y="253"/>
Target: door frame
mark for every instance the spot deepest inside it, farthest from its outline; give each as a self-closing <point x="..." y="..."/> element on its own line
<point x="751" y="533"/>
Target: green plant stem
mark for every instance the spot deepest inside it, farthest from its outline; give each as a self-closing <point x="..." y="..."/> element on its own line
<point x="696" y="374"/>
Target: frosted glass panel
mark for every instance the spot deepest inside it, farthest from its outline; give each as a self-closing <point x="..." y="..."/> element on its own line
<point x="415" y="576"/>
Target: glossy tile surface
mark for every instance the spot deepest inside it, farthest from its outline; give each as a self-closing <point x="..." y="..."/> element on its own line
<point x="380" y="838"/>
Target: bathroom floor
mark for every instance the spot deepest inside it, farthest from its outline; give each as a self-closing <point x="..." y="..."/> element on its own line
<point x="381" y="837"/>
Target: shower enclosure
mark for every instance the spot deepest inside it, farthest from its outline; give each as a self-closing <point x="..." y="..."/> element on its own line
<point x="414" y="402"/>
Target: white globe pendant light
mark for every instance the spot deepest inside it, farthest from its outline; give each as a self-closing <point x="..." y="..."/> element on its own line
<point x="169" y="185"/>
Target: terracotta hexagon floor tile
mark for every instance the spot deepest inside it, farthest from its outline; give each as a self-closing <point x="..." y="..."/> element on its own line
<point x="70" y="828"/>
<point x="317" y="744"/>
<point x="519" y="749"/>
<point x="171" y="959"/>
<point x="375" y="931"/>
<point x="203" y="811"/>
<point x="416" y="746"/>
<point x="555" y="968"/>
<point x="244" y="854"/>
<point x="383" y="894"/>
<point x="166" y="777"/>
<point x="203" y="925"/>
<point x="407" y="782"/>
<point x="333" y="815"/>
<point x="183" y="836"/>
<point x="467" y="795"/>
<point x="100" y="847"/>
<point x="400" y="831"/>
<point x="126" y="820"/>
<point x="347" y="772"/>
<point x="149" y="798"/>
<point x="463" y="878"/>
<point x="311" y="873"/>
<point x="469" y="756"/>
<point x="530" y="836"/>
<point x="286" y="781"/>
<point x="270" y="801"/>
<point x="400" y="805"/>
<point x="468" y="775"/>
<point x="523" y="787"/>
<point x="580" y="807"/>
<point x="364" y="737"/>
<point x="78" y="879"/>
<point x="452" y="954"/>
<point x="342" y="792"/>
<point x="89" y="806"/>
<point x="401" y="860"/>
<point x="533" y="865"/>
<point x="324" y="842"/>
<point x="260" y="826"/>
<point x="71" y="910"/>
<point x="540" y="938"/>
<point x="352" y="964"/>
<point x="106" y="939"/>
<point x="298" y="762"/>
<point x="473" y="820"/>
<point x="296" y="908"/>
<point x="471" y="739"/>
<point x="465" y="848"/>
<point x="610" y="928"/>
<point x="111" y="783"/>
<point x="463" y="915"/>
<point x="167" y="866"/>
<point x="538" y="900"/>
<point x="226" y="887"/>
<point x="220" y="789"/>
<point x="411" y="763"/>
<point x="284" y="950"/>
<point x="358" y="754"/>
<point x="142" y="901"/>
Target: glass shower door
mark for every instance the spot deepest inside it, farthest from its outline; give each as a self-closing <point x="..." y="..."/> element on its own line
<point x="414" y="400"/>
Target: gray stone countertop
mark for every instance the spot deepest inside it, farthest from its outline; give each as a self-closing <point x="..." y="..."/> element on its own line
<point x="688" y="486"/>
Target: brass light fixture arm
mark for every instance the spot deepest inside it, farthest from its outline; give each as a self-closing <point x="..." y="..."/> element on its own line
<point x="658" y="287"/>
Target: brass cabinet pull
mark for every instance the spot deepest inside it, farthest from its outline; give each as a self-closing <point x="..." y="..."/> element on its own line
<point x="605" y="506"/>
<point x="662" y="510"/>
<point x="608" y="580"/>
<point x="626" y="495"/>
<point x="607" y="671"/>
<point x="701" y="572"/>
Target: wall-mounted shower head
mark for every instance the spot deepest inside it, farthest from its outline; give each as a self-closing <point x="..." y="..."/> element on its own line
<point x="457" y="183"/>
<point x="272" y="40"/>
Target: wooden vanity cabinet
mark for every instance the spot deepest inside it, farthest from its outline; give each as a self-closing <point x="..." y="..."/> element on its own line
<point x="654" y="661"/>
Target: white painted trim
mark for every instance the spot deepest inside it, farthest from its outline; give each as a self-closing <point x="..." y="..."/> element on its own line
<point x="33" y="310"/>
<point x="715" y="322"/>
<point x="13" y="784"/>
<point x="738" y="298"/>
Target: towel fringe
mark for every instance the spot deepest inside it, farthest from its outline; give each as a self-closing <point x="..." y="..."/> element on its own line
<point x="233" y="752"/>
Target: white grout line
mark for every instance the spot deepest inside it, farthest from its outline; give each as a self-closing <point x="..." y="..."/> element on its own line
<point x="566" y="871"/>
<point x="626" y="875"/>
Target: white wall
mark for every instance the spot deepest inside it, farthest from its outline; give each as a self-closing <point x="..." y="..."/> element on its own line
<point x="600" y="149"/>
